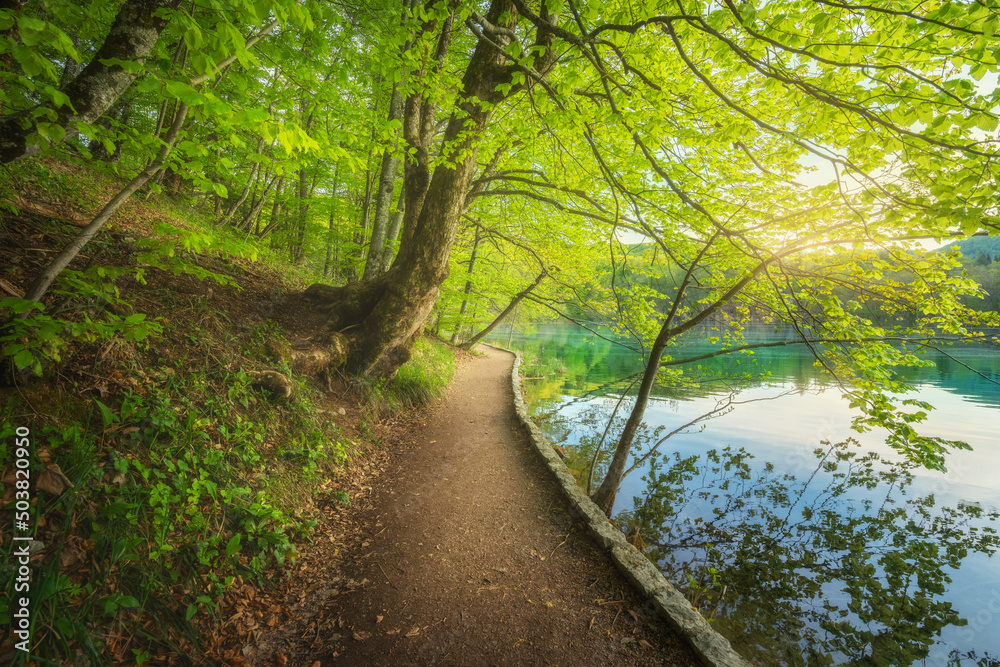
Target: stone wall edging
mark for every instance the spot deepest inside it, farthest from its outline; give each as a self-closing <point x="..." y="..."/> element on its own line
<point x="714" y="649"/>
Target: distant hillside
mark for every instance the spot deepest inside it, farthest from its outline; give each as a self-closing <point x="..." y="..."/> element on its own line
<point x="970" y="248"/>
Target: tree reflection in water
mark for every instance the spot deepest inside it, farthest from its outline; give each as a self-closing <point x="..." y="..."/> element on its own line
<point x="841" y="568"/>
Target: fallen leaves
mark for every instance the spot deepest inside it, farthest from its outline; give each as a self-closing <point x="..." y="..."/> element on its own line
<point x="52" y="480"/>
<point x="74" y="553"/>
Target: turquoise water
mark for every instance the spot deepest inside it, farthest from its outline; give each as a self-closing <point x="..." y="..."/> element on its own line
<point x="803" y="551"/>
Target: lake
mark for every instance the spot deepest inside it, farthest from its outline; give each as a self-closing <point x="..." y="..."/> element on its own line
<point x="804" y="542"/>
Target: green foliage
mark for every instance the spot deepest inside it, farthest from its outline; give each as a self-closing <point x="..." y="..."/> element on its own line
<point x="177" y="250"/>
<point x="419" y="381"/>
<point x="181" y="485"/>
<point x="425" y="376"/>
<point x="976" y="246"/>
<point x="34" y="339"/>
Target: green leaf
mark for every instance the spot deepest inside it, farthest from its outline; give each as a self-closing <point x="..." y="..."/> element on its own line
<point x="20" y="306"/>
<point x="51" y="131"/>
<point x="127" y="65"/>
<point x="234" y="545"/>
<point x="30" y="23"/>
<point x="185" y="93"/>
<point x="191" y="611"/>
<point x="193" y="38"/>
<point x="23" y="359"/>
<point x="107" y="416"/>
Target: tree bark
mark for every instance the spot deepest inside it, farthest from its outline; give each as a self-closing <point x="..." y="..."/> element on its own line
<point x="132" y="37"/>
<point x="392" y="234"/>
<point x="250" y="184"/>
<point x="518" y="298"/>
<point x="328" y="265"/>
<point x="298" y="247"/>
<point x="383" y="200"/>
<point x="275" y="210"/>
<point x="257" y="205"/>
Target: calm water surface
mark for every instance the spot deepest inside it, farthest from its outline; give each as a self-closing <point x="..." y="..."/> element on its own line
<point x="803" y="551"/>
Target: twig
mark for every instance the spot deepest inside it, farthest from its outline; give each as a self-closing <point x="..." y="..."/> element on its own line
<point x="387" y="579"/>
<point x="560" y="544"/>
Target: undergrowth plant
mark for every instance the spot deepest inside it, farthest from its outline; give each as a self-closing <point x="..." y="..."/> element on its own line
<point x="420" y="380"/>
<point x="181" y="483"/>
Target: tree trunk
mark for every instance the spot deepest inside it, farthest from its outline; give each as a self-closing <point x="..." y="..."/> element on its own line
<point x="385" y="315"/>
<point x="258" y="204"/>
<point x="383" y="201"/>
<point x="364" y="213"/>
<point x="328" y="265"/>
<point x="40" y="285"/>
<point x="468" y="284"/>
<point x="275" y="210"/>
<point x="605" y="495"/>
<point x="132" y="37"/>
<point x="392" y="234"/>
<point x="518" y="298"/>
<point x="298" y="245"/>
<point x="251" y="183"/>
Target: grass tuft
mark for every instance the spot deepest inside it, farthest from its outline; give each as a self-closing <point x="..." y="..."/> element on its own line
<point x="419" y="381"/>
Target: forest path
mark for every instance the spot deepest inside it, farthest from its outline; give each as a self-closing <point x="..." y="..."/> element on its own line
<point x="463" y="553"/>
<point x="473" y="559"/>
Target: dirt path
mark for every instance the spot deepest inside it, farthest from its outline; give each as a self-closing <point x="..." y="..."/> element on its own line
<point x="468" y="557"/>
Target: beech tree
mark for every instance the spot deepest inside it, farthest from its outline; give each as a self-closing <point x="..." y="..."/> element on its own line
<point x="690" y="126"/>
<point x="91" y="93"/>
<point x="727" y="126"/>
<point x="387" y="313"/>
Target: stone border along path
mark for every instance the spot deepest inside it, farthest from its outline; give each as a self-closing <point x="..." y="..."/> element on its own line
<point x="675" y="609"/>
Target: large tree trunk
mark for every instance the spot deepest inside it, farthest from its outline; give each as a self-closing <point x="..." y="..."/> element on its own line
<point x="518" y="298"/>
<point x="382" y="317"/>
<point x="132" y="37"/>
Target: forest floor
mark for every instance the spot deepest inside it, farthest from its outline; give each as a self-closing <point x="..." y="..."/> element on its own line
<point x="458" y="550"/>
